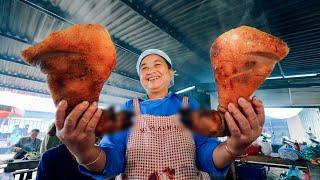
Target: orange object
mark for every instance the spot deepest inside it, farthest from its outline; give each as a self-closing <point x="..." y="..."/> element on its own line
<point x="241" y="59"/>
<point x="77" y="61"/>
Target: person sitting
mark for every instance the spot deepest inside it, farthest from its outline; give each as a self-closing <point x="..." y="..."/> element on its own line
<point x="27" y="144"/>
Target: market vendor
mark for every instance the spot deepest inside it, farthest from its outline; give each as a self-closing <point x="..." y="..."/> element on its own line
<point x="27" y="144"/>
<point x="157" y="146"/>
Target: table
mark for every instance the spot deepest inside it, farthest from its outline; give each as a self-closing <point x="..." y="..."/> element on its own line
<point x="272" y="162"/>
<point x="21" y="167"/>
<point x="278" y="162"/>
<point x="21" y="164"/>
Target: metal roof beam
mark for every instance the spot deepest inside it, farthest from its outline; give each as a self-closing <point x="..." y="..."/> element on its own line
<point x="27" y="41"/>
<point x="111" y="82"/>
<point x="23" y="89"/>
<point x="124" y="93"/>
<point x="163" y="25"/>
<point x="213" y="89"/>
<point x="16" y="37"/>
<point x="13" y="59"/>
<point x="279" y="83"/>
<point x="112" y="98"/>
<point x="21" y="76"/>
<point x="291" y="86"/>
<point x="48" y="8"/>
<point x="116" y="101"/>
<point x="281" y="70"/>
<point x="20" y="61"/>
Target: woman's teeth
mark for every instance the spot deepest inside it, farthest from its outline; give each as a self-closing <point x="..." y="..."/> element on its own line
<point x="153" y="78"/>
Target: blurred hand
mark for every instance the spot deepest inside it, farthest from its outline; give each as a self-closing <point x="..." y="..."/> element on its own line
<point x="17" y="149"/>
<point x="245" y="124"/>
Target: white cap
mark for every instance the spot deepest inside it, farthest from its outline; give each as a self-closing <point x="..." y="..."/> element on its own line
<point x="157" y="52"/>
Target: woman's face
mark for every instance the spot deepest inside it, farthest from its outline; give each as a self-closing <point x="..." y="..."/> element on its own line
<point x="155" y="75"/>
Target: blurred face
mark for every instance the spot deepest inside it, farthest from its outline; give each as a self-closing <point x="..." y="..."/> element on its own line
<point x="34" y="135"/>
<point x="155" y="75"/>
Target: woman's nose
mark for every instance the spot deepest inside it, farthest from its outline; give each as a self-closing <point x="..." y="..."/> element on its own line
<point x="150" y="70"/>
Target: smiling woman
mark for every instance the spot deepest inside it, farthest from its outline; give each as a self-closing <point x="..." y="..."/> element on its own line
<point x="92" y="55"/>
<point x="157" y="133"/>
<point x="155" y="74"/>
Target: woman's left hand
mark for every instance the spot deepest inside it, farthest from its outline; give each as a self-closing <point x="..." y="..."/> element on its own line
<point x="245" y="125"/>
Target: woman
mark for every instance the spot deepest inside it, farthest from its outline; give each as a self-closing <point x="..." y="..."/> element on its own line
<point x="157" y="146"/>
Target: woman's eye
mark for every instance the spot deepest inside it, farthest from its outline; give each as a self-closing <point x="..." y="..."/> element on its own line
<point x="158" y="64"/>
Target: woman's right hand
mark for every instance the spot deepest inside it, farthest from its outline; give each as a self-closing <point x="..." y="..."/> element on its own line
<point x="76" y="130"/>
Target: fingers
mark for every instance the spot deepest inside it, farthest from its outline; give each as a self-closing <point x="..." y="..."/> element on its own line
<point x="87" y="116"/>
<point x="94" y="121"/>
<point x="233" y="127"/>
<point x="243" y="123"/>
<point x="249" y="112"/>
<point x="72" y="118"/>
<point x="258" y="106"/>
<point x="61" y="114"/>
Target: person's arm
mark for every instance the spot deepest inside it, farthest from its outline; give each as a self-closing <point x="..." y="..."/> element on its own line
<point x="18" y="146"/>
<point x="114" y="146"/>
<point x="76" y="131"/>
<point x="19" y="143"/>
<point x="205" y="147"/>
<point x="244" y="128"/>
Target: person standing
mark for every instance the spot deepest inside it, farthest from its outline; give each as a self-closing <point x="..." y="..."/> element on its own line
<point x="157" y="146"/>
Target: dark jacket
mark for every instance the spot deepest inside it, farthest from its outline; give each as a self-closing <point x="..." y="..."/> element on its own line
<point x="29" y="145"/>
<point x="58" y="164"/>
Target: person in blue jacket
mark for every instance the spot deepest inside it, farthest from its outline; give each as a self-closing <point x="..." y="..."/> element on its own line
<point x="157" y="146"/>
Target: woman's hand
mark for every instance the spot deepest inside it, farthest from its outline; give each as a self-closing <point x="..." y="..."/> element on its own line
<point x="76" y="130"/>
<point x="245" y="125"/>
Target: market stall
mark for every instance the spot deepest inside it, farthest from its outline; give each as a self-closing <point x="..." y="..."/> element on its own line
<point x="199" y="85"/>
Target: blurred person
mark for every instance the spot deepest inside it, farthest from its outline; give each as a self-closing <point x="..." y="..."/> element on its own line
<point x="50" y="140"/>
<point x="25" y="130"/>
<point x="27" y="144"/>
<point x="14" y="135"/>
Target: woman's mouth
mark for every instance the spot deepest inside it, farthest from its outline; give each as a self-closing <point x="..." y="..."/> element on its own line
<point x="153" y="78"/>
